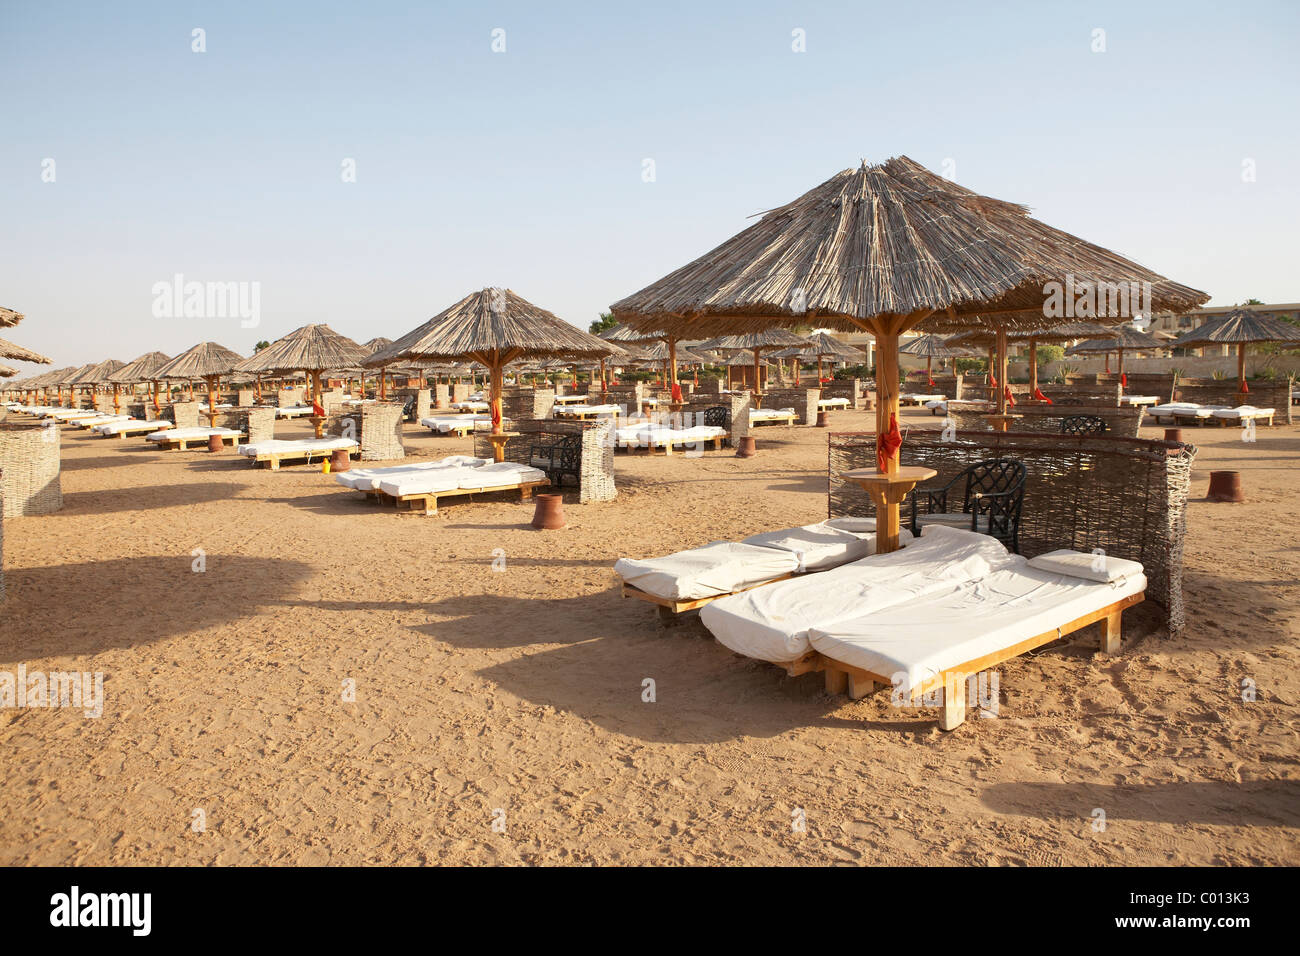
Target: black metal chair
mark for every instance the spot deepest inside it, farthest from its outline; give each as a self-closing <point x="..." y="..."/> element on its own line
<point x="991" y="495"/>
<point x="408" y="409"/>
<point x="559" y="458"/>
<point x="717" y="416"/>
<point x="1083" y="425"/>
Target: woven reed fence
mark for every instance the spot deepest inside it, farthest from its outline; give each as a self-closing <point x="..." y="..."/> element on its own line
<point x="2" y="538"/>
<point x="524" y="404"/>
<point x="802" y="400"/>
<point x="185" y="414"/>
<point x="29" y="460"/>
<point x="850" y="388"/>
<point x="461" y="391"/>
<point x="1274" y="395"/>
<point x="1159" y="384"/>
<point x="441" y="395"/>
<point x="737" y="407"/>
<point x="1126" y="496"/>
<point x="627" y="396"/>
<point x="376" y="427"/>
<point x="596" y="465"/>
<point x="1120" y="422"/>
<point x="423" y="406"/>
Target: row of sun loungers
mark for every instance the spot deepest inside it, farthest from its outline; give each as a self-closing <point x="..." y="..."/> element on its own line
<point x="920" y="620"/>
<point x="460" y="425"/>
<point x="170" y="439"/>
<point x="419" y="485"/>
<point x="122" y="427"/>
<point x="1190" y="411"/>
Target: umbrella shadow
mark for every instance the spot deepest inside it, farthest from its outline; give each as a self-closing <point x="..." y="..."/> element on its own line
<point x="103" y="461"/>
<point x="145" y="497"/>
<point x="88" y="607"/>
<point x="1216" y="802"/>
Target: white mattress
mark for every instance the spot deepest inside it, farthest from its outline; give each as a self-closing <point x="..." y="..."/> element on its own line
<point x="769" y="414"/>
<point x="773" y="623"/>
<point x="127" y="425"/>
<point x="832" y="403"/>
<point x="471" y="406"/>
<point x="921" y="398"/>
<point x="500" y="473"/>
<point x="719" y="567"/>
<point x="368" y="479"/>
<point x="189" y="434"/>
<point x="100" y="420"/>
<point x="817" y="546"/>
<point x="1184" y="410"/>
<point x="570" y="399"/>
<point x="659" y="435"/>
<point x="1242" y="412"/>
<point x="1139" y="399"/>
<point x="582" y="409"/>
<point x="277" y="446"/>
<point x="445" y="423"/>
<point x="916" y="641"/>
<point x="292" y="411"/>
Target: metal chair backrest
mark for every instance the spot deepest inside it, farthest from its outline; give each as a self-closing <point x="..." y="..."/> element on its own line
<point x="1083" y="425"/>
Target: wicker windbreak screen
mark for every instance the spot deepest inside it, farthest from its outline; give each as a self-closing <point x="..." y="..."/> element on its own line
<point x="1126" y="496"/>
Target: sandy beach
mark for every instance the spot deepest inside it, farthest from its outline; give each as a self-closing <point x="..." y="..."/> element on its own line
<point x="514" y="696"/>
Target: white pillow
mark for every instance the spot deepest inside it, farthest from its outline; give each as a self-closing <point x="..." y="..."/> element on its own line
<point x="1090" y="567"/>
<point x="853" y="525"/>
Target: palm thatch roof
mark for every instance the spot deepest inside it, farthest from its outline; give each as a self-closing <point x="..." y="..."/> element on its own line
<point x="18" y="353"/>
<point x="309" y="348"/>
<point x="207" y="359"/>
<point x="9" y="317"/>
<point x="658" y="352"/>
<point x="766" y="339"/>
<point x="487" y="322"/>
<point x="143" y="369"/>
<point x="627" y="336"/>
<point x="52" y="378"/>
<point x="986" y="338"/>
<point x="827" y="346"/>
<point x="73" y="374"/>
<point x="1240" y="326"/>
<point x="7" y="371"/>
<point x="934" y="347"/>
<point x="377" y="343"/>
<point x="98" y="373"/>
<point x="882" y="240"/>
<point x="1122" y="337"/>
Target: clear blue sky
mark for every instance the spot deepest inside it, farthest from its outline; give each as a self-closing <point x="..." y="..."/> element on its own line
<point x="524" y="168"/>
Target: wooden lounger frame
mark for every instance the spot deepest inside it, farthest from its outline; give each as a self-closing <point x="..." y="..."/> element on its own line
<point x="786" y="419"/>
<point x="299" y="454"/>
<point x="857" y="683"/>
<point x="183" y="444"/>
<point x="561" y="415"/>
<point x="428" y="501"/>
<point x="669" y="608"/>
<point x="460" y="430"/>
<point x="159" y="426"/>
<point x="667" y="447"/>
<point x="1238" y="422"/>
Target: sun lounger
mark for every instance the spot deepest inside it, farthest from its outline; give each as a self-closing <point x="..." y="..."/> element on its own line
<point x="584" y="412"/>
<point x="292" y="411"/>
<point x="368" y="479"/>
<point x="182" y="438"/>
<point x="653" y="436"/>
<point x="920" y="398"/>
<point x="772" y="624"/>
<point x="771" y="416"/>
<point x="927" y="648"/>
<point x="1139" y="399"/>
<point x="421" y="490"/>
<point x="690" y="579"/>
<point x="99" y="420"/>
<point x="471" y="406"/>
<point x="1185" y="411"/>
<point x="461" y="425"/>
<point x="831" y="404"/>
<point x="571" y="399"/>
<point x="130" y="426"/>
<point x="1242" y="413"/>
<point x="278" y="451"/>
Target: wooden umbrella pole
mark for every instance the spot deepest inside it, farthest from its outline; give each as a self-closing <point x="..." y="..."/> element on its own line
<point x="1002" y="370"/>
<point x="1033" y="367"/>
<point x="318" y="421"/>
<point x="383" y="383"/>
<point x="1241" y="366"/>
<point x="117" y="402"/>
<point x="212" y="402"/>
<point x="929" y="362"/>
<point x="157" y="405"/>
<point x="672" y="367"/>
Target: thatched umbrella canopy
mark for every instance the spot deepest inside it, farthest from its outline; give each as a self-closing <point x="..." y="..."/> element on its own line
<point x="98" y="374"/>
<point x="1240" y="327"/>
<point x="493" y="327"/>
<point x="1065" y="332"/>
<point x="624" y="335"/>
<point x="9" y="317"/>
<point x="207" y="361"/>
<point x="311" y="349"/>
<point x="7" y="371"/>
<point x="932" y="347"/>
<point x="373" y="346"/>
<point x="145" y="369"/>
<point x="46" y="380"/>
<point x="886" y="249"/>
<point x="755" y="343"/>
<point x="18" y="353"/>
<point x="1124" y="337"/>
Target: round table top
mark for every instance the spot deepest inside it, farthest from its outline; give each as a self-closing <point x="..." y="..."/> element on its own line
<point x="873" y="476"/>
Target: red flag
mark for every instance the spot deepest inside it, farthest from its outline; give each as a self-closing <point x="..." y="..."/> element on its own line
<point x="888" y="443"/>
<point x="993" y="380"/>
<point x="1245" y="389"/>
<point x="316" y="409"/>
<point x="677" y="392"/>
<point x="1011" y="399"/>
<point x="1038" y="394"/>
<point x="1123" y="379"/>
<point x="496" y="417"/>
<point x="932" y="383"/>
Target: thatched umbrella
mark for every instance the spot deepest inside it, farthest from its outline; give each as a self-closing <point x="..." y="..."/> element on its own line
<point x="207" y="361"/>
<point x="1067" y="332"/>
<point x="98" y="374"/>
<point x="1121" y="338"/>
<point x="757" y="343"/>
<point x="1240" y="327"/>
<point x="7" y="371"/>
<point x="311" y="349"/>
<point x="885" y="249"/>
<point x="141" y="370"/>
<point x="623" y="335"/>
<point x="932" y="347"/>
<point x="47" y="379"/>
<point x="18" y="353"/>
<point x="373" y="346"/>
<point x="826" y="346"/>
<point x="494" y="327"/>
<point x="9" y="317"/>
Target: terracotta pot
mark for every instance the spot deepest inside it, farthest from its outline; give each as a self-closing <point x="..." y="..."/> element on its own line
<point x="1225" y="486"/>
<point x="216" y="443"/>
<point x="821" y="420"/>
<point x="746" y="448"/>
<point x="1173" y="434"/>
<point x="340" y="460"/>
<point x="549" y="514"/>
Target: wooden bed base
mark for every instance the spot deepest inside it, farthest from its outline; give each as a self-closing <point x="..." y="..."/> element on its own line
<point x="135" y="432"/>
<point x="460" y="431"/>
<point x="303" y="454"/>
<point x="857" y="683"/>
<point x="561" y="415"/>
<point x="428" y="503"/>
<point x="183" y="444"/>
<point x="669" y="609"/>
<point x="667" y="449"/>
<point x="781" y="420"/>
